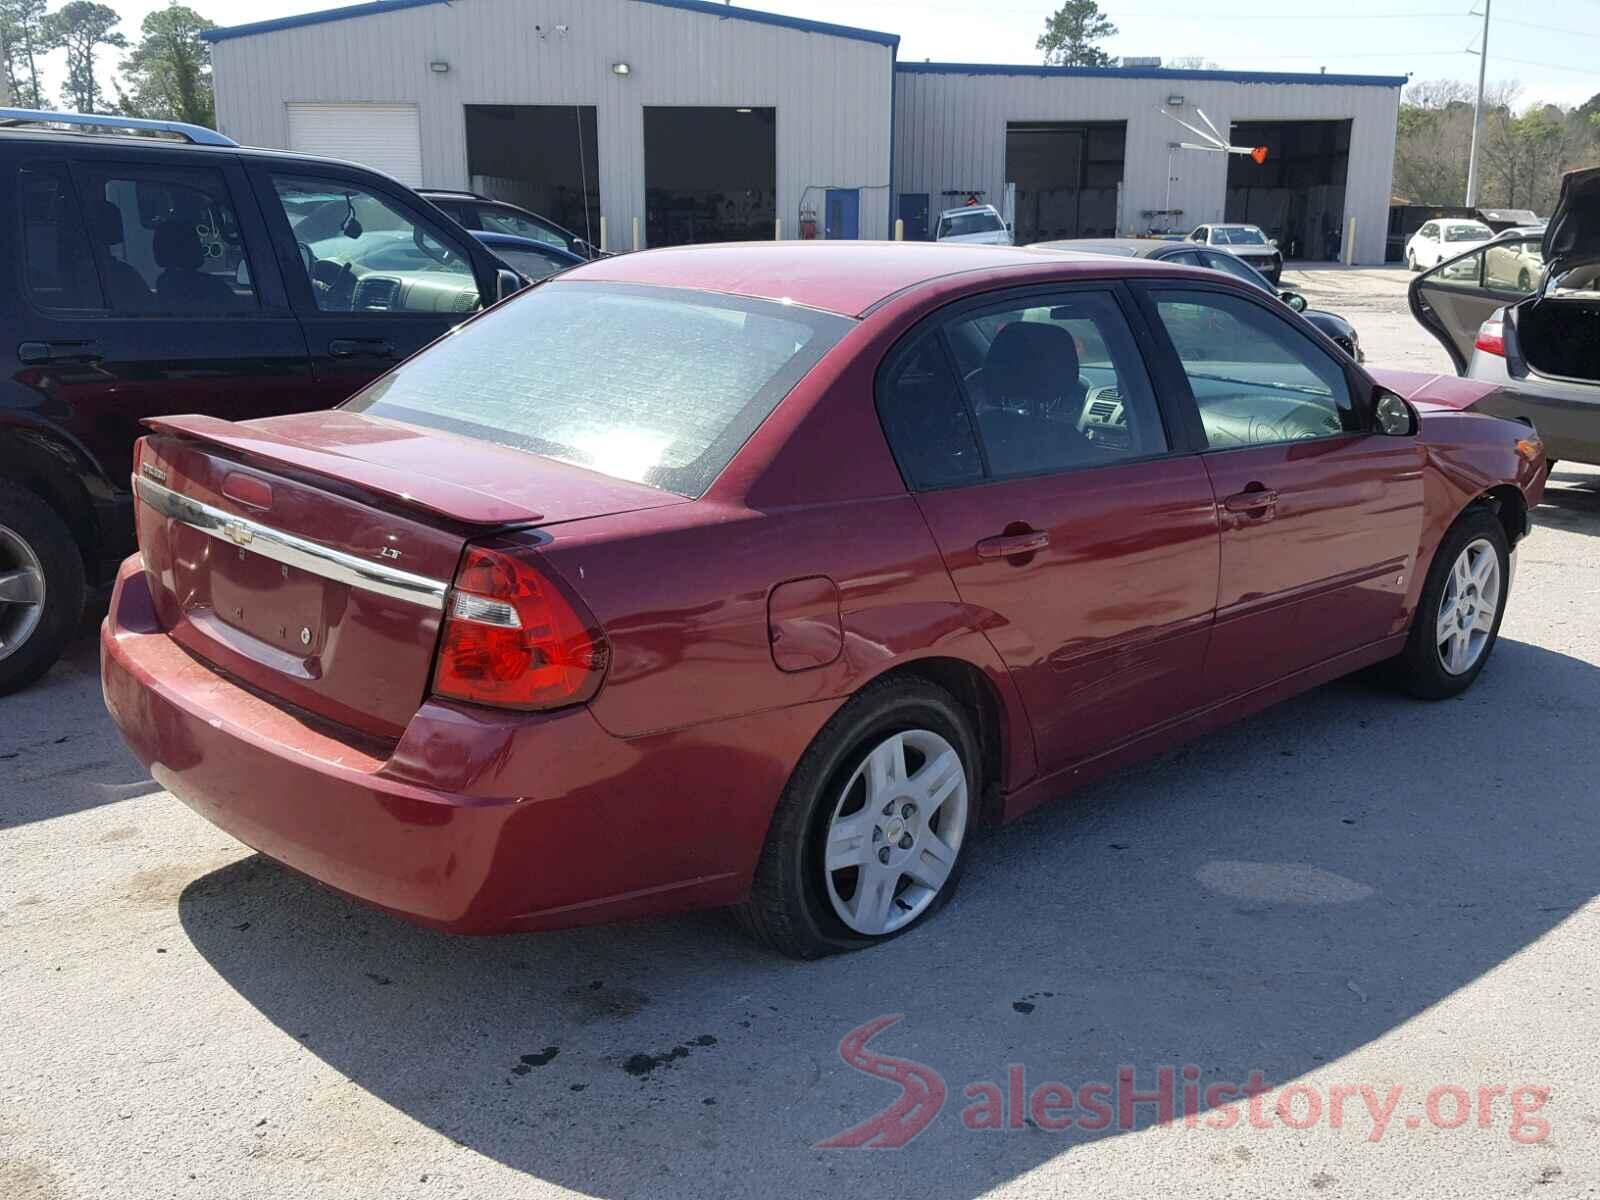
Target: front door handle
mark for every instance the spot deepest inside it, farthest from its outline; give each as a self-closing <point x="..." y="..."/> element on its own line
<point x="1256" y="500"/>
<point x="1011" y="545"/>
<point x="361" y="348"/>
<point x="33" y="353"/>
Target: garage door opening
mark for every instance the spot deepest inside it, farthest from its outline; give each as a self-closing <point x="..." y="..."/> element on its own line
<point x="1297" y="195"/>
<point x="710" y="174"/>
<point x="1067" y="176"/>
<point x="539" y="156"/>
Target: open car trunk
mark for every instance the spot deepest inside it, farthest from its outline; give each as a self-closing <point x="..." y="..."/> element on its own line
<point x="1560" y="336"/>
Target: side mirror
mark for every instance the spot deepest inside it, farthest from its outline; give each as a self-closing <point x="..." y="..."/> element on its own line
<point x="1395" y="418"/>
<point x="1294" y="300"/>
<point x="507" y="283"/>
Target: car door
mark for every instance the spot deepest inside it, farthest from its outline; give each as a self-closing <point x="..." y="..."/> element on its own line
<point x="1084" y="535"/>
<point x="372" y="276"/>
<point x="148" y="288"/>
<point x="1320" y="516"/>
<point x="1453" y="299"/>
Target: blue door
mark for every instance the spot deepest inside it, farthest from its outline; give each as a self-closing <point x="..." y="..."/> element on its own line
<point x="914" y="212"/>
<point x="844" y="213"/>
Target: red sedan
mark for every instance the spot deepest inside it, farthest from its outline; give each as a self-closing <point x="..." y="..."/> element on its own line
<point x="761" y="575"/>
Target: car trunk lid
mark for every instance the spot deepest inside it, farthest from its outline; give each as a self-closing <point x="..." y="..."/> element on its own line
<point x="310" y="558"/>
<point x="1572" y="238"/>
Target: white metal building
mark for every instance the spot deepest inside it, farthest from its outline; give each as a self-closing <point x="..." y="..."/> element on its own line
<point x="1101" y="155"/>
<point x="703" y="121"/>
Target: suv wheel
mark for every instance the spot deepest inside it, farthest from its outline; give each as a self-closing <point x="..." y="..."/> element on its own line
<point x="41" y="587"/>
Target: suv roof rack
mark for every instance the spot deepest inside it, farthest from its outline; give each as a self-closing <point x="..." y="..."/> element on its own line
<point x="197" y="135"/>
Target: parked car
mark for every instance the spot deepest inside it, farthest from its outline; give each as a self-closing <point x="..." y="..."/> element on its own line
<point x="1440" y="240"/>
<point x="1340" y="331"/>
<point x="1248" y="242"/>
<point x="978" y="224"/>
<point x="480" y="213"/>
<point x="506" y="643"/>
<point x="533" y="260"/>
<point x="153" y="275"/>
<point x="1523" y="313"/>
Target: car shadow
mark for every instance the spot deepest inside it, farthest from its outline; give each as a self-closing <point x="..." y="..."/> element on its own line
<point x="52" y="763"/>
<point x="1571" y="503"/>
<point x="1271" y="898"/>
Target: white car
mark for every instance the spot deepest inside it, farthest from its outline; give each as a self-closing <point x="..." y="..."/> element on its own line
<point x="980" y="224"/>
<point x="1248" y="242"/>
<point x="1442" y="239"/>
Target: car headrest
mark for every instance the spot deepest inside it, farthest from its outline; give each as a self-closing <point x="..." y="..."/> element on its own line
<point x="105" y="222"/>
<point x="177" y="247"/>
<point x="1032" y="361"/>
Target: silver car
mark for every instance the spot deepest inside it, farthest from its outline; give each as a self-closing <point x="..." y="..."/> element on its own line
<point x="1524" y="311"/>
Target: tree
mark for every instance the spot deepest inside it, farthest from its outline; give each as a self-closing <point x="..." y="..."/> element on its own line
<point x="81" y="28"/>
<point x="22" y="42"/>
<point x="1071" y="32"/>
<point x="1190" y="62"/>
<point x="169" y="72"/>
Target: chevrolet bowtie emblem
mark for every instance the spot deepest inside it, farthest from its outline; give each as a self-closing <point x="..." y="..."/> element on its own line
<point x="238" y="534"/>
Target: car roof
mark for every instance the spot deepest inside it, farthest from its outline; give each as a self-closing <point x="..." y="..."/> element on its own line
<point x="969" y="208"/>
<point x="845" y="277"/>
<point x="1124" y="247"/>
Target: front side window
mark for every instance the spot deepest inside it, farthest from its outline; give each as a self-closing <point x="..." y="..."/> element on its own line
<point x="1467" y="233"/>
<point x="363" y="253"/>
<point x="1255" y="378"/>
<point x="166" y="240"/>
<point x="656" y="385"/>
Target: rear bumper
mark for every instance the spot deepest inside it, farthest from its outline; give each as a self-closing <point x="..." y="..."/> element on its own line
<point x="475" y="821"/>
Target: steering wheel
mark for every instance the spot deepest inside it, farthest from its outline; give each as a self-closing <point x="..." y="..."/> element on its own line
<point x="308" y="257"/>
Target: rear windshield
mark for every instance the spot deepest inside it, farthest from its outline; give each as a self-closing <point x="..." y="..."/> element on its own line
<point x="964" y="223"/>
<point x="657" y="385"/>
<point x="1238" y="237"/>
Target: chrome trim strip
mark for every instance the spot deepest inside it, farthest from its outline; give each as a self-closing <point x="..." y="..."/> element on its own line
<point x="294" y="551"/>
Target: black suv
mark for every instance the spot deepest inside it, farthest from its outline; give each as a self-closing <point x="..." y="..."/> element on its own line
<point x="177" y="272"/>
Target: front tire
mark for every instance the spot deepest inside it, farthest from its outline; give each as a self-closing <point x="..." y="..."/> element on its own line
<point x="1458" y="614"/>
<point x="41" y="587"/>
<point x="867" y="841"/>
<point x="1411" y="261"/>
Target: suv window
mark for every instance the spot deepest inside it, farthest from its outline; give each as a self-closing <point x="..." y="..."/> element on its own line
<point x="361" y="253"/>
<point x="166" y="239"/>
<point x="58" y="270"/>
<point x="507" y="220"/>
<point x="1255" y="378"/>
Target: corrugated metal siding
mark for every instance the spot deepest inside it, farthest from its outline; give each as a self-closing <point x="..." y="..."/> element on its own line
<point x="950" y="133"/>
<point x="833" y="95"/>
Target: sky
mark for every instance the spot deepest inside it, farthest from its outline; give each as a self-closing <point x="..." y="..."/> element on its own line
<point x="1552" y="49"/>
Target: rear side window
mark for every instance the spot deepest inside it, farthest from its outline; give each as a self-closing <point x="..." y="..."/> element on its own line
<point x="57" y="267"/>
<point x="166" y="240"/>
<point x="926" y="420"/>
<point x="657" y="385"/>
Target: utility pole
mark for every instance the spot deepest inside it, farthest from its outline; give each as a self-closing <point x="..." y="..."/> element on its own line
<point x="1477" y="113"/>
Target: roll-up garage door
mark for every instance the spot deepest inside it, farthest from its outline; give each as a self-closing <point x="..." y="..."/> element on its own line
<point x="385" y="137"/>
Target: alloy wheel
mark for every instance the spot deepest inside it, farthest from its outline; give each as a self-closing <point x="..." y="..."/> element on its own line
<point x="21" y="591"/>
<point x="895" y="832"/>
<point x="1468" y="606"/>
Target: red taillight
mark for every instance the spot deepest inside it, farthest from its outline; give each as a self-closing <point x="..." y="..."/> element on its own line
<point x="1492" y="338"/>
<point x="513" y="638"/>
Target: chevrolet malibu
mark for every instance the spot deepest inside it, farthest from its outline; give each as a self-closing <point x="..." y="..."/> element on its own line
<point x="764" y="575"/>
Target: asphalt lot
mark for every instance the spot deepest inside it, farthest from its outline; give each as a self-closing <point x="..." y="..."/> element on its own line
<point x="1352" y="890"/>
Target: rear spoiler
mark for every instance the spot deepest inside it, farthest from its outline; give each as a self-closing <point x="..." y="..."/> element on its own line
<point x="431" y="494"/>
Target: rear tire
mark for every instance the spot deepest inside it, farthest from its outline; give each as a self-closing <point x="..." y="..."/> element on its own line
<point x="41" y="587"/>
<point x="1454" y="631"/>
<point x="914" y="823"/>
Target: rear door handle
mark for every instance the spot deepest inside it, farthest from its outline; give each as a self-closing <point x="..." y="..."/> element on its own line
<point x="361" y="348"/>
<point x="1254" y="501"/>
<point x="33" y="353"/>
<point x="1010" y="545"/>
